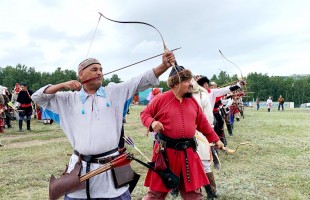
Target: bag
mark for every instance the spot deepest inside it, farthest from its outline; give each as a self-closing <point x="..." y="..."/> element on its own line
<point x="125" y="175"/>
<point x="169" y="179"/>
<point x="67" y="183"/>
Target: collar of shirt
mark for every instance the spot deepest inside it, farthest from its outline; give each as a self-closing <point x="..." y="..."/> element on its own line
<point x="83" y="95"/>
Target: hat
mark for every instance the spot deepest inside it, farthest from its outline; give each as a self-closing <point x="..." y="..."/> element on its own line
<point x="24" y="84"/>
<point x="87" y="62"/>
<point x="203" y="80"/>
<point x="175" y="69"/>
<point x="184" y="74"/>
<point x="213" y="83"/>
<point x="155" y="91"/>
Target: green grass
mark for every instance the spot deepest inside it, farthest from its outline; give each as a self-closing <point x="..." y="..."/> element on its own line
<point x="277" y="166"/>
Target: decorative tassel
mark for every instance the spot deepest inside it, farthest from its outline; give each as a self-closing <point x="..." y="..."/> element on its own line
<point x="83" y="111"/>
<point x="108" y="104"/>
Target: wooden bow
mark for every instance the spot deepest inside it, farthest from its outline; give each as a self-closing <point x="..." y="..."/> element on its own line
<point x="232" y="151"/>
<point x="225" y="149"/>
<point x="242" y="78"/>
<point x="232" y="63"/>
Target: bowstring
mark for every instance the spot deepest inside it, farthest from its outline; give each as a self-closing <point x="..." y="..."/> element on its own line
<point x="165" y="49"/>
<point x="242" y="79"/>
<point x="91" y="42"/>
<point x="115" y="112"/>
<point x="232" y="63"/>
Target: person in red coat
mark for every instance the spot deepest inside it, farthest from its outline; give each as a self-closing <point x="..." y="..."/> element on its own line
<point x="175" y="115"/>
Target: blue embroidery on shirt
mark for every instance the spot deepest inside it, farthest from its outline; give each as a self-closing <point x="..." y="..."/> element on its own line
<point x="126" y="106"/>
<point x="108" y="104"/>
<point x="100" y="92"/>
<point x="53" y="116"/>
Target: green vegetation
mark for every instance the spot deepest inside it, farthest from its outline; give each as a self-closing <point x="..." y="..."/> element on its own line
<point x="22" y="74"/>
<point x="293" y="89"/>
<point x="276" y="167"/>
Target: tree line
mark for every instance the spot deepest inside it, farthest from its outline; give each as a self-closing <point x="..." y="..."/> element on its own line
<point x="293" y="89"/>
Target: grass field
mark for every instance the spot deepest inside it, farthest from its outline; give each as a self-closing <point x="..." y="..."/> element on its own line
<point x="276" y="167"/>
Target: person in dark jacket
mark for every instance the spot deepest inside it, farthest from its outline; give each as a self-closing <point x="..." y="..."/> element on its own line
<point x="25" y="106"/>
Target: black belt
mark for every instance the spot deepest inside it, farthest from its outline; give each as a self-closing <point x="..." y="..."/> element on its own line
<point x="178" y="144"/>
<point x="94" y="159"/>
<point x="97" y="158"/>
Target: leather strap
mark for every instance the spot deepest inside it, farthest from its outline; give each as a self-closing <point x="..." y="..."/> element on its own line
<point x="94" y="158"/>
<point x="87" y="181"/>
<point x="178" y="144"/>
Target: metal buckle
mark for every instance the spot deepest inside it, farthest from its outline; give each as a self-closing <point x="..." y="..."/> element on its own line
<point x="162" y="145"/>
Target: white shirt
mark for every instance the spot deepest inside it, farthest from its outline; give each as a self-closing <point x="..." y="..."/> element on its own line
<point x="269" y="103"/>
<point x="204" y="147"/>
<point x="92" y="123"/>
<point x="217" y="92"/>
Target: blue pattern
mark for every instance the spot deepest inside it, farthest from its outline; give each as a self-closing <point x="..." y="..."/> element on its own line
<point x="53" y="116"/>
<point x="100" y="92"/>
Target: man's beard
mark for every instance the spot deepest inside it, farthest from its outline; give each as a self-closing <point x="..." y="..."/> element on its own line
<point x="188" y="95"/>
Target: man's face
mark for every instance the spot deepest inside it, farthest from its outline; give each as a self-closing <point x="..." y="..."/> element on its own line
<point x="23" y="88"/>
<point x="205" y="85"/>
<point x="186" y="88"/>
<point x="213" y="86"/>
<point x="93" y="71"/>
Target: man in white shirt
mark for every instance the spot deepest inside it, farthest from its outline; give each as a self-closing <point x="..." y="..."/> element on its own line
<point x="92" y="118"/>
<point x="269" y="104"/>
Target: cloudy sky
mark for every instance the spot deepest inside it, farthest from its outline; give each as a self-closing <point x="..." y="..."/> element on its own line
<point x="265" y="36"/>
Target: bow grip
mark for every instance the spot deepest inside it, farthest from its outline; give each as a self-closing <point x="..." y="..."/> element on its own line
<point x="172" y="63"/>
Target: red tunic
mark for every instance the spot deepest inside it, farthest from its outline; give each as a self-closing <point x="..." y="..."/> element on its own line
<point x="180" y="120"/>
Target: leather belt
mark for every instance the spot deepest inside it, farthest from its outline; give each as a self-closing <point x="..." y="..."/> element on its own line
<point x="97" y="158"/>
<point x="178" y="144"/>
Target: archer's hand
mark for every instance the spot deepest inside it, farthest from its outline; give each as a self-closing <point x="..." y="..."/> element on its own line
<point x="197" y="77"/>
<point x="72" y="85"/>
<point x="242" y="83"/>
<point x="168" y="59"/>
<point x="219" y="144"/>
<point x="157" y="126"/>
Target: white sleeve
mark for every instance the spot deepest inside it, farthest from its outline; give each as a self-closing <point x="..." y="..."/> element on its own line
<point x="53" y="102"/>
<point x="221" y="91"/>
<point x="121" y="92"/>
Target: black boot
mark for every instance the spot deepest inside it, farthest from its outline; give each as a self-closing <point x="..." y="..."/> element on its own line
<point x="215" y="158"/>
<point x="210" y="194"/>
<point x="28" y="125"/>
<point x="212" y="183"/>
<point x="229" y="128"/>
<point x="20" y="124"/>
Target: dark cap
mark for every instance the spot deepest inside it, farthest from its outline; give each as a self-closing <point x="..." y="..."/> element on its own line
<point x="24" y="84"/>
<point x="174" y="78"/>
<point x="203" y="80"/>
<point x="175" y="69"/>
